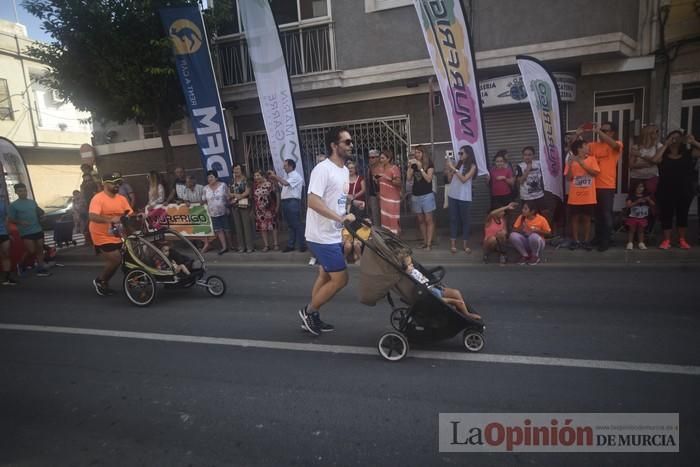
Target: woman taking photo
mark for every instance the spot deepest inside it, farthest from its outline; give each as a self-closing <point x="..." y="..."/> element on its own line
<point x="156" y="192"/>
<point x="459" y="176"/>
<point x="357" y="185"/>
<point x="266" y="208"/>
<point x="675" y="191"/>
<point x="389" y="192"/>
<point x="420" y="172"/>
<point x="240" y="210"/>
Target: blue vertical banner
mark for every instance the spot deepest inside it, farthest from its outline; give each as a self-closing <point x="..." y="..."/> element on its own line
<point x="185" y="27"/>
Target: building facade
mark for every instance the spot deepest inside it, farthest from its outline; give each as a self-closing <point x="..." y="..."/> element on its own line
<point x="364" y="64"/>
<point x="46" y="128"/>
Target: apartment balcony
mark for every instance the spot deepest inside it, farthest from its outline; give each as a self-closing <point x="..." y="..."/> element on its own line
<point x="307" y="49"/>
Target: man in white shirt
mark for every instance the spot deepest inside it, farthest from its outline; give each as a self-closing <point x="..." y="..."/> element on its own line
<point x="291" y="185"/>
<point x="328" y="191"/>
<point x="190" y="192"/>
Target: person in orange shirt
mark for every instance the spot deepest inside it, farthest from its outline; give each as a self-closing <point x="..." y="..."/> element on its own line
<point x="106" y="210"/>
<point x="528" y="233"/>
<point x="581" y="170"/>
<point x="607" y="152"/>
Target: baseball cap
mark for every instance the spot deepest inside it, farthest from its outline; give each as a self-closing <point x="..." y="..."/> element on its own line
<point x="113" y="177"/>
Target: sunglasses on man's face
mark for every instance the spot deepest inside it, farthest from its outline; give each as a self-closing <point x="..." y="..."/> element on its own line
<point x="347" y="142"/>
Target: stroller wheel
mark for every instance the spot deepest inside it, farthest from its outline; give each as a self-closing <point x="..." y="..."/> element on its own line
<point x="392" y="346"/>
<point x="473" y="340"/>
<point x="399" y="319"/>
<point x="139" y="287"/>
<point x="216" y="286"/>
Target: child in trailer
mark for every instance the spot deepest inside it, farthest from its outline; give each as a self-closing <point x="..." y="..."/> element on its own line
<point x="639" y="205"/>
<point x="175" y="258"/>
<point x="450" y="296"/>
<point x="496" y="232"/>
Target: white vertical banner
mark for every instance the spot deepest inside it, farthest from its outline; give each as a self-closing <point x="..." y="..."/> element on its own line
<point x="446" y="34"/>
<point x="272" y="81"/>
<point x="543" y="94"/>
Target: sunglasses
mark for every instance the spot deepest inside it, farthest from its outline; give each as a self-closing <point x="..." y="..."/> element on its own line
<point x="347" y="142"/>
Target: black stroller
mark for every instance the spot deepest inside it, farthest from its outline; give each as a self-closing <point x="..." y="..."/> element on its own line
<point x="421" y="317"/>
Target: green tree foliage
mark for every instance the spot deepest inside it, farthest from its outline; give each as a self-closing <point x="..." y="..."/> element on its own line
<point x="113" y="58"/>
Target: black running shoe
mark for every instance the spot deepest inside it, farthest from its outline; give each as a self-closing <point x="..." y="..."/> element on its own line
<point x="311" y="322"/>
<point x="325" y="327"/>
<point x="98" y="287"/>
<point x="9" y="281"/>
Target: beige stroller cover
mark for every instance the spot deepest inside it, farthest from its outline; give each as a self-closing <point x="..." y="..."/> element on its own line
<point x="379" y="274"/>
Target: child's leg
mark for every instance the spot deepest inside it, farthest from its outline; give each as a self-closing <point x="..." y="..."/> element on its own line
<point x="586" y="228"/>
<point x="455" y="296"/>
<point x="489" y="245"/>
<point x="461" y="307"/>
<point x="630" y="232"/>
<point x="347" y="248"/>
<point x="575" y="222"/>
<point x="640" y="233"/>
<point x="501" y="242"/>
<point x="357" y="247"/>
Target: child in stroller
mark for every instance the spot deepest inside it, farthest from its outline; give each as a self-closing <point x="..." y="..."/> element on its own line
<point x="448" y="295"/>
<point x="353" y="244"/>
<point x="178" y="260"/>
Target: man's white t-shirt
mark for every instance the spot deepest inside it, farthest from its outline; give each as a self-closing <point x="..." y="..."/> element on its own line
<point x="331" y="183"/>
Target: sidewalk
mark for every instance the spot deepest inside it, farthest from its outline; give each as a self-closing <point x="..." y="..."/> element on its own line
<point x="440" y="254"/>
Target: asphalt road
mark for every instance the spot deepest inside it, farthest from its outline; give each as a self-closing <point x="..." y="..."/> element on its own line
<point x="150" y="399"/>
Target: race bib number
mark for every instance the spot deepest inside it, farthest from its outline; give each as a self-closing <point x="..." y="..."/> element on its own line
<point x="583" y="181"/>
<point x="639" y="212"/>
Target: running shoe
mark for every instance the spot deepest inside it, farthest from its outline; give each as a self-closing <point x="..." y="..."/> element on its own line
<point x="642" y="246"/>
<point x="683" y="244"/>
<point x="502" y="259"/>
<point x="534" y="260"/>
<point x="665" y="245"/>
<point x="311" y="322"/>
<point x="9" y="281"/>
<point x="523" y="260"/>
<point x="98" y="287"/>
<point x="630" y="246"/>
<point x="574" y="245"/>
<point x="586" y="246"/>
<point x="43" y="273"/>
<point x="325" y="327"/>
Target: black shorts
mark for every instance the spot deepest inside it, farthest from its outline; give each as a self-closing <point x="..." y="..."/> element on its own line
<point x="4" y="238"/>
<point x="581" y="209"/>
<point x="34" y="236"/>
<point x="107" y="247"/>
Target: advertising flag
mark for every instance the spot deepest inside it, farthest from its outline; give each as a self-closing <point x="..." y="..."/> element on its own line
<point x="447" y="36"/>
<point x="272" y="81"/>
<point x="543" y="94"/>
<point x="185" y="28"/>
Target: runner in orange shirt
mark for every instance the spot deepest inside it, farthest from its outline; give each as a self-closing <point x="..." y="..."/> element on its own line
<point x="581" y="170"/>
<point x="607" y="152"/>
<point x="106" y="210"/>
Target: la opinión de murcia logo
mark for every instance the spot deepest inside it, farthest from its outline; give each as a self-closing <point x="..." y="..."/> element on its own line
<point x="564" y="433"/>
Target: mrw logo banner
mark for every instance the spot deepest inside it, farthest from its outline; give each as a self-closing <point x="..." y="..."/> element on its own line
<point x="186" y="30"/>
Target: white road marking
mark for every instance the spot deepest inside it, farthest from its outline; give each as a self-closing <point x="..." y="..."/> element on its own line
<point x="357" y="350"/>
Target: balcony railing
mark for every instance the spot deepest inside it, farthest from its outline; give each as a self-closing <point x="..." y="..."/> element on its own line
<point x="306" y="49"/>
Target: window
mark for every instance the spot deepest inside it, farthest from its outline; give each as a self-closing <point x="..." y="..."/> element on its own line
<point x="690" y="108"/>
<point x="178" y="128"/>
<point x="378" y="5"/>
<point x="6" y="112"/>
<point x="285" y="11"/>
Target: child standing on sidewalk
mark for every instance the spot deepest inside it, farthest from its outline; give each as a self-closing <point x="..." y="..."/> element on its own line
<point x="639" y="204"/>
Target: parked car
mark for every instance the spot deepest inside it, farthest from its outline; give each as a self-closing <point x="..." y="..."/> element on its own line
<point x="56" y="209"/>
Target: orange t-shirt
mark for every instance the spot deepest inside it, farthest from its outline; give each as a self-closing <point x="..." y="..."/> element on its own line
<point x="538" y="222"/>
<point x="607" y="159"/>
<point x="582" y="187"/>
<point x="107" y="206"/>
